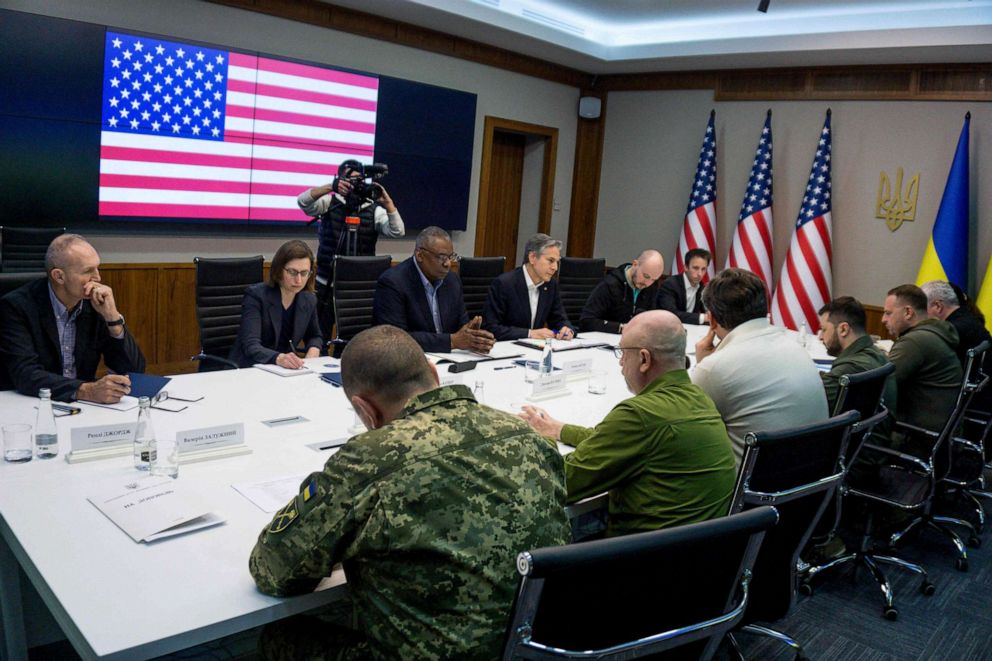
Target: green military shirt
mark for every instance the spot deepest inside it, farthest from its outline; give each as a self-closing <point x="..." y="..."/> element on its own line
<point x="862" y="355"/>
<point x="427" y="514"/>
<point x="928" y="373"/>
<point x="664" y="455"/>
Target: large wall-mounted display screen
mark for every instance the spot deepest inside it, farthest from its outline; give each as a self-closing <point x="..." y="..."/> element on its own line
<point x="108" y="126"/>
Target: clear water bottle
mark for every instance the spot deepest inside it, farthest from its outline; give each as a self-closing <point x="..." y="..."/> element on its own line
<point x="480" y="392"/>
<point x="547" y="363"/>
<point x="803" y="334"/>
<point x="46" y="434"/>
<point x="164" y="456"/>
<point x="144" y="436"/>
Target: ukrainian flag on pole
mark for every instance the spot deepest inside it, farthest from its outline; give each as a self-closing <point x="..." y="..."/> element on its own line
<point x="946" y="256"/>
<point x="984" y="300"/>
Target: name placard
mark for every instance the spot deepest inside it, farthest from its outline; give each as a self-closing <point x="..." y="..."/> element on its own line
<point x="572" y="367"/>
<point x="448" y="378"/>
<point x="207" y="438"/>
<point x="548" y="383"/>
<point x="119" y="434"/>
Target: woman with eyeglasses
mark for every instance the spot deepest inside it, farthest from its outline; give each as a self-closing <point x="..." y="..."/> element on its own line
<point x="280" y="314"/>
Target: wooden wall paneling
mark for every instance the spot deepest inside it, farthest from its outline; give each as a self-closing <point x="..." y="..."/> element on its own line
<point x="343" y="19"/>
<point x="589" y="134"/>
<point x="135" y="292"/>
<point x="873" y="322"/>
<point x="178" y="331"/>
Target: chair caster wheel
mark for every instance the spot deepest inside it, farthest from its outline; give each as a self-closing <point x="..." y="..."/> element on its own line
<point x="891" y="614"/>
<point x="806" y="589"/>
<point x="927" y="588"/>
<point x="975" y="542"/>
<point x="961" y="564"/>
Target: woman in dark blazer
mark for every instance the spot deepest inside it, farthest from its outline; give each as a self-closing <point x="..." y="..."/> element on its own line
<point x="278" y="315"/>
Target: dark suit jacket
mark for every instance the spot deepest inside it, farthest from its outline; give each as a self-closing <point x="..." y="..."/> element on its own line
<point x="671" y="297"/>
<point x="29" y="345"/>
<point x="261" y="320"/>
<point x="507" y="311"/>
<point x="400" y="300"/>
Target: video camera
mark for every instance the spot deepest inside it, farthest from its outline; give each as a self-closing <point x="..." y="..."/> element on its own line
<point x="363" y="179"/>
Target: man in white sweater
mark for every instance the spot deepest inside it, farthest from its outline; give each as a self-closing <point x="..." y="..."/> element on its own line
<point x="759" y="378"/>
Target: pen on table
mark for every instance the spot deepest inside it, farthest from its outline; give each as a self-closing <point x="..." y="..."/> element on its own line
<point x="69" y="410"/>
<point x="278" y="420"/>
<point x="505" y="367"/>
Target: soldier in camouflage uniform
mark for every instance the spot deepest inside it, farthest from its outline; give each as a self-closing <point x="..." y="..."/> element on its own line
<point x="427" y="512"/>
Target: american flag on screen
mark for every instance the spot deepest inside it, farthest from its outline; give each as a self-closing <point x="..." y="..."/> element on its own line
<point x="194" y="132"/>
<point x="752" y="245"/>
<point x="805" y="281"/>
<point x="699" y="226"/>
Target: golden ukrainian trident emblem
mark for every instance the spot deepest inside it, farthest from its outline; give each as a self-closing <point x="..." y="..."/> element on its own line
<point x="896" y="206"/>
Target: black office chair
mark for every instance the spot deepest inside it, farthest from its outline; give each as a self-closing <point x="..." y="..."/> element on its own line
<point x="477" y="273"/>
<point x="646" y="593"/>
<point x="577" y="277"/>
<point x="795" y="470"/>
<point x="220" y="288"/>
<point x="908" y="482"/>
<point x="23" y="248"/>
<point x="11" y="281"/>
<point x="354" y="289"/>
<point x="965" y="479"/>
<point x="862" y="392"/>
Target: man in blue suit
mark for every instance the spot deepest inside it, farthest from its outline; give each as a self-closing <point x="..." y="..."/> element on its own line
<point x="423" y="297"/>
<point x="525" y="301"/>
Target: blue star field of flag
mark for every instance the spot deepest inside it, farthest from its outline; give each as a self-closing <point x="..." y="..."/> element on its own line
<point x="759" y="186"/>
<point x="704" y="185"/>
<point x="816" y="202"/>
<point x="159" y="87"/>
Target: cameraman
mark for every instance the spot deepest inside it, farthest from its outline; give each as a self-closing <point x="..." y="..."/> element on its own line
<point x="331" y="204"/>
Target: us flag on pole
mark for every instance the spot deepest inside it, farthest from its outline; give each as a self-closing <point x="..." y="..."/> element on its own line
<point x="194" y="132"/>
<point x="752" y="246"/>
<point x="805" y="281"/>
<point x="699" y="226"/>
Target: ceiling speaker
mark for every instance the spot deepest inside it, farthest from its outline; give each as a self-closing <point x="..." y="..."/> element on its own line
<point x="590" y="107"/>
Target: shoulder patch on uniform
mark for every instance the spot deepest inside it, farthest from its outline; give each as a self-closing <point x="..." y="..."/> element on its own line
<point x="284" y="517"/>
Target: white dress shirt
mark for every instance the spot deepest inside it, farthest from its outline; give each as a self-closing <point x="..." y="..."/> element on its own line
<point x="533" y="294"/>
<point x="691" y="292"/>
<point x="760" y="380"/>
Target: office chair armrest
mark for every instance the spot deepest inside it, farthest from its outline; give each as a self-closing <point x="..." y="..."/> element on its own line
<point x="902" y="456"/>
<point x="907" y="428"/>
<point x="965" y="444"/>
<point x="217" y="359"/>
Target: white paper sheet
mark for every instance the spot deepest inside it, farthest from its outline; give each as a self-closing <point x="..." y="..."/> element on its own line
<point x="151" y="507"/>
<point x="270" y="495"/>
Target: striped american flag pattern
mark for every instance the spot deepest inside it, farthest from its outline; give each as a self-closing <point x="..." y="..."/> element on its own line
<point x="805" y="281"/>
<point x="195" y="132"/>
<point x="699" y="225"/>
<point x="752" y="245"/>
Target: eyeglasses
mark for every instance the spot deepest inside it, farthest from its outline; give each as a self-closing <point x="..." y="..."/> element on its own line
<point x="442" y="257"/>
<point x="618" y="351"/>
<point x="293" y="273"/>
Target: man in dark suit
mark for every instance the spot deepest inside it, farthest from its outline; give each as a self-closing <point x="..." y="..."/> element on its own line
<point x="525" y="301"/>
<point x="423" y="297"/>
<point x="682" y="295"/>
<point x="55" y="330"/>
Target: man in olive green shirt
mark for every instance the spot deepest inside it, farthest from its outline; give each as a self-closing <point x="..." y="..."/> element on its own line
<point x="842" y="329"/>
<point x="664" y="455"/>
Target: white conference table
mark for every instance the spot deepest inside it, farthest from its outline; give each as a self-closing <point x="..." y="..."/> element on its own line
<point x="117" y="599"/>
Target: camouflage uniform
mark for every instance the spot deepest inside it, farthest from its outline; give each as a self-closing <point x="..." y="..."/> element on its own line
<point x="427" y="515"/>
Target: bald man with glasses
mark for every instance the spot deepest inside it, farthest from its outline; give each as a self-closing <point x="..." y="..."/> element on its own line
<point x="423" y="297"/>
<point x="664" y="454"/>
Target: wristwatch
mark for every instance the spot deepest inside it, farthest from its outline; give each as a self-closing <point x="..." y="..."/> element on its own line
<point x="119" y="322"/>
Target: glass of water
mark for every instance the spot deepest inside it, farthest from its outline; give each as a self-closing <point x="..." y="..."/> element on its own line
<point x="17" y="443"/>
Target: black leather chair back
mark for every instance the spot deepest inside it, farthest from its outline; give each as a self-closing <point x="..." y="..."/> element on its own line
<point x="23" y="248"/>
<point x="220" y="288"/>
<point x="656" y="586"/>
<point x="11" y="281"/>
<point x="477" y="273"/>
<point x="862" y="392"/>
<point x="577" y="277"/>
<point x="354" y="289"/>
<point x="796" y="470"/>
